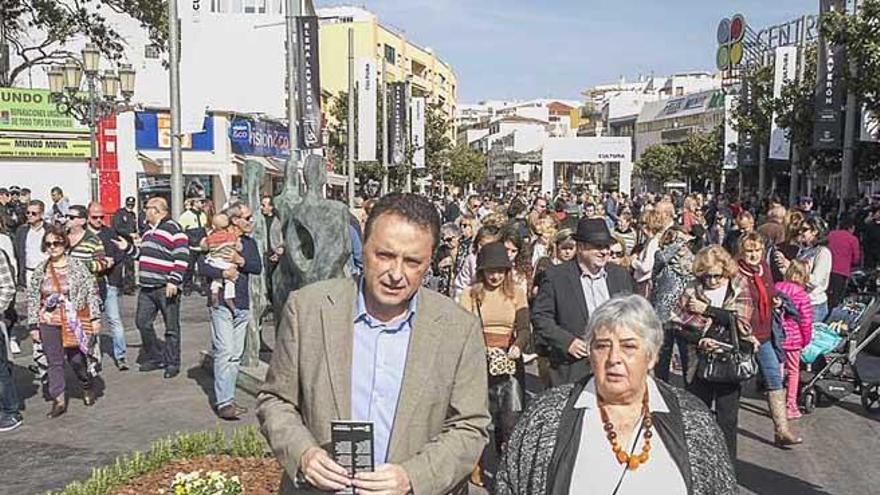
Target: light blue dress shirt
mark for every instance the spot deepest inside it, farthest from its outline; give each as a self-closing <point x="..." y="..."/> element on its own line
<point x="378" y="363"/>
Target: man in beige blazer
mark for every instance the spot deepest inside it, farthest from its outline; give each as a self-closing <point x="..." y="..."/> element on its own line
<point x="380" y="349"/>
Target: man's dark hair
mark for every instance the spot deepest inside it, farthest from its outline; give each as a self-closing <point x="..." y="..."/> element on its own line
<point x="846" y="223"/>
<point x="516" y="207"/>
<point x="412" y="208"/>
<point x="58" y="190"/>
<point x="39" y="204"/>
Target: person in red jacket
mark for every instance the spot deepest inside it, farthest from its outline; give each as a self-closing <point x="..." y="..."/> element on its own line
<point x="846" y="253"/>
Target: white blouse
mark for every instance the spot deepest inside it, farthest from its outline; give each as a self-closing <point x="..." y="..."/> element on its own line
<point x="596" y="470"/>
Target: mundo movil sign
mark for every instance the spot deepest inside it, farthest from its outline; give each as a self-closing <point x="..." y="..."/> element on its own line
<point x="730" y="42"/>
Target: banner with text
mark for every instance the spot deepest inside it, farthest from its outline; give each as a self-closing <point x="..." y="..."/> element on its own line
<point x="828" y="123"/>
<point x="730" y="136"/>
<point x="747" y="149"/>
<point x="259" y="138"/>
<point x="33" y="110"/>
<point x="397" y="124"/>
<point x="366" y="107"/>
<point x="417" y="131"/>
<point x="45" y="148"/>
<point x="308" y="84"/>
<point x="786" y="72"/>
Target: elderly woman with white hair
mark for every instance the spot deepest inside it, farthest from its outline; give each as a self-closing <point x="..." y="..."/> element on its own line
<point x="618" y="431"/>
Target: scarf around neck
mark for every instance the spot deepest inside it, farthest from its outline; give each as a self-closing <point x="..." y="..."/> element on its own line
<point x="762" y="301"/>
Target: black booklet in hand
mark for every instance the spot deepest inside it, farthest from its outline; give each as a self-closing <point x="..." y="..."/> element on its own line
<point x="352" y="447"/>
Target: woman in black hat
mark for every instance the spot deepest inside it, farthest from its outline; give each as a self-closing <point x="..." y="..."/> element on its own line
<point x="501" y="305"/>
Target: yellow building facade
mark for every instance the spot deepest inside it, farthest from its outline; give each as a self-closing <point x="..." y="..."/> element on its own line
<point x="430" y="76"/>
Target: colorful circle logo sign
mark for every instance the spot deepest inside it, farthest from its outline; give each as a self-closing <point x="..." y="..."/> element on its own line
<point x="730" y="42"/>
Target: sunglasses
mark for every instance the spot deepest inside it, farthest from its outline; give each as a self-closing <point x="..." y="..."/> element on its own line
<point x="51" y="244"/>
<point x="73" y="217"/>
<point x="448" y="239"/>
<point x="33" y="213"/>
<point x="617" y="254"/>
<point x="97" y="217"/>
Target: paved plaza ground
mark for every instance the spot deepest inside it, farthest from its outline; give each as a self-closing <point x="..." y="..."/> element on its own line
<point x="839" y="457"/>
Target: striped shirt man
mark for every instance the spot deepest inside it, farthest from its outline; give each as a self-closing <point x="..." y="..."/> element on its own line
<point x="163" y="255"/>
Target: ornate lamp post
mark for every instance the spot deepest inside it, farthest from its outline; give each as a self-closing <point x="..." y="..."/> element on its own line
<point x="91" y="107"/>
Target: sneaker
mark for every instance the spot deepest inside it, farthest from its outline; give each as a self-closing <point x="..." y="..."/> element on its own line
<point x="121" y="365"/>
<point x="9" y="422"/>
<point x="151" y="366"/>
<point x="13" y="346"/>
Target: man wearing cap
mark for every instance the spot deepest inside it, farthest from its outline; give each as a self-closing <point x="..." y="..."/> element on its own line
<point x="568" y="294"/>
<point x="125" y="223"/>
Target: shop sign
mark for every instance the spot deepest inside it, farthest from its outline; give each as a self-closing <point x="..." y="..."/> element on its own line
<point x="44" y="148"/>
<point x="153" y="132"/>
<point x="259" y="138"/>
<point x="33" y="110"/>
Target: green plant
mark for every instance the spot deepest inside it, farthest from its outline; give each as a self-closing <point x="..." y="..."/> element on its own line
<point x="213" y="483"/>
<point x="245" y="442"/>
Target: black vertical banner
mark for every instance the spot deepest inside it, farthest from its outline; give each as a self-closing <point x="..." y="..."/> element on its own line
<point x="308" y="84"/>
<point x="397" y="124"/>
<point x="747" y="149"/>
<point x="828" y="124"/>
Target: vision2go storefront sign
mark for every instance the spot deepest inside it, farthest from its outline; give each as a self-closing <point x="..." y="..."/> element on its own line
<point x="33" y="110"/>
<point x="44" y="148"/>
<point x="259" y="138"/>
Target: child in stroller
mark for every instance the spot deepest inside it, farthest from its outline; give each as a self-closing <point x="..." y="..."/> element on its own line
<point x="838" y="351"/>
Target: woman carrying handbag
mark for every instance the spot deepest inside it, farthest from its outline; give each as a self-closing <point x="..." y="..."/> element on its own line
<point x="501" y="305"/>
<point x="714" y="314"/>
<point x="64" y="315"/>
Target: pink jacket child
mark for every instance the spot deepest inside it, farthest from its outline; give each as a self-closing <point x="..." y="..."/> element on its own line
<point x="797" y="334"/>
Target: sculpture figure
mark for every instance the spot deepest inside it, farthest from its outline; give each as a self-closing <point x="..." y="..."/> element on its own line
<point x="253" y="173"/>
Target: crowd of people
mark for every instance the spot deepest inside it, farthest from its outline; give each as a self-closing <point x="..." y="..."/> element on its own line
<point x="73" y="264"/>
<point x="624" y="306"/>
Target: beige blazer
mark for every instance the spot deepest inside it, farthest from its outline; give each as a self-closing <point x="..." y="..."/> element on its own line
<point x="442" y="414"/>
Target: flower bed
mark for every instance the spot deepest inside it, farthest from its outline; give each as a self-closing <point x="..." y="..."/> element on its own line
<point x="257" y="475"/>
<point x="243" y="455"/>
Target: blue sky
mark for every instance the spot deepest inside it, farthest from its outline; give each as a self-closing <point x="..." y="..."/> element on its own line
<point x="503" y="49"/>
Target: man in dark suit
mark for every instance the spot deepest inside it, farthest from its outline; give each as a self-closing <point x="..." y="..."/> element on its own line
<point x="568" y="294"/>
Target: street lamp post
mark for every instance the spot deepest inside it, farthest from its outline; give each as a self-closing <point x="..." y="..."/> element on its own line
<point x="64" y="85"/>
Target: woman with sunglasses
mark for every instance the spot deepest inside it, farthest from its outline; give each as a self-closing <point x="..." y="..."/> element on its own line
<point x="64" y="316"/>
<point x="618" y="254"/>
<point x="714" y="307"/>
<point x="812" y="240"/>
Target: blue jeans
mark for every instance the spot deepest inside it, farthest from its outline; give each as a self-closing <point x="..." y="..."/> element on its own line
<point x="768" y="363"/>
<point x="228" y="331"/>
<point x="10" y="404"/>
<point x="820" y="312"/>
<point x="114" y="321"/>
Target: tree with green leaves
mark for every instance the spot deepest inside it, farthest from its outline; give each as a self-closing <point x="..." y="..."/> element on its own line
<point x="660" y="163"/>
<point x="466" y="166"/>
<point x="701" y="155"/>
<point x="37" y="31"/>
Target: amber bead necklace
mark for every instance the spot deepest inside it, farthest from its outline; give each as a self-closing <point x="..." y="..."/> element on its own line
<point x="632" y="462"/>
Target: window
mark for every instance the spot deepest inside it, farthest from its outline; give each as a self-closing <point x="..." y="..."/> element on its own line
<point x="390" y="54"/>
<point x="151" y="51"/>
<point x="679" y="91"/>
<point x="255" y="6"/>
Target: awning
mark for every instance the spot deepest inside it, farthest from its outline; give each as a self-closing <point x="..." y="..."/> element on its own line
<point x="270" y="165"/>
<point x="151" y="165"/>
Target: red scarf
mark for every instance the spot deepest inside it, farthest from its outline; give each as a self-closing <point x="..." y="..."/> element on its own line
<point x="762" y="301"/>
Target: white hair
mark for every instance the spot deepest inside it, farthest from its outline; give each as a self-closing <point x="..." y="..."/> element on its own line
<point x="632" y="312"/>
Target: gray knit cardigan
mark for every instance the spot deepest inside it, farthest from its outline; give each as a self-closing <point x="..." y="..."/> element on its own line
<point x="526" y="466"/>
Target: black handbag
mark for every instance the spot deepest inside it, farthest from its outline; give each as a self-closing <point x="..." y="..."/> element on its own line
<point x="734" y="365"/>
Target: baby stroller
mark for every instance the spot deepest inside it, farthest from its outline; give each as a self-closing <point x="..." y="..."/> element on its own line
<point x="839" y="359"/>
